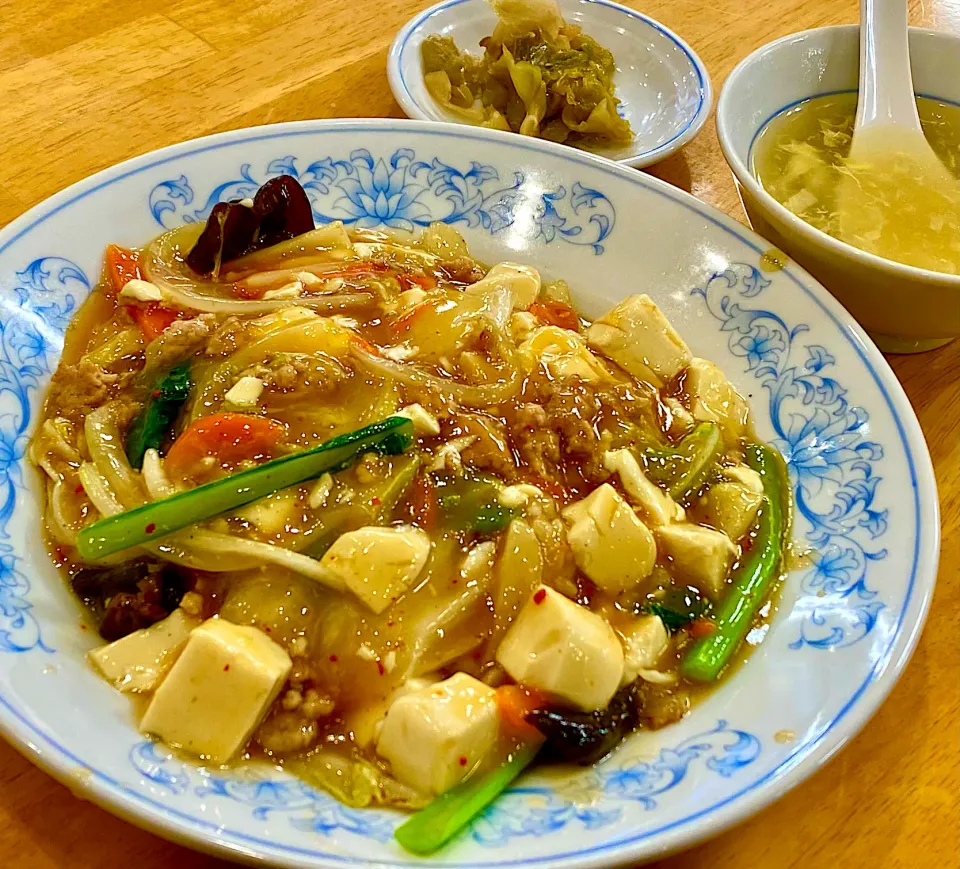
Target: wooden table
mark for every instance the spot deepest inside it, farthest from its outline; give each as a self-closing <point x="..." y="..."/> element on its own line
<point x="88" y="83"/>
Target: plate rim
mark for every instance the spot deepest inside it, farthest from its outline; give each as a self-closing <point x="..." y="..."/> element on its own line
<point x="414" y="111"/>
<point x="176" y="825"/>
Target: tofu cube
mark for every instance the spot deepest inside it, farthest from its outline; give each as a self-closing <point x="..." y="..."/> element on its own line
<point x="434" y="736"/>
<point x="424" y="422"/>
<point x="245" y="393"/>
<point x="731" y="508"/>
<point x="657" y="506"/>
<point x="644" y="641"/>
<point x="137" y="662"/>
<point x="523" y="283"/>
<point x="712" y="398"/>
<point x="378" y="564"/>
<point x="563" y="353"/>
<point x="218" y="691"/>
<point x="610" y="544"/>
<point x="140" y="291"/>
<point x="564" y="649"/>
<point x="637" y="336"/>
<point x="701" y="556"/>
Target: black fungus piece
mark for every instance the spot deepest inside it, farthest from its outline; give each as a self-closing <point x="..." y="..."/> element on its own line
<point x="230" y="231"/>
<point x="281" y="210"/>
<point x="585" y="737"/>
<point x="130" y="596"/>
<point x="284" y="211"/>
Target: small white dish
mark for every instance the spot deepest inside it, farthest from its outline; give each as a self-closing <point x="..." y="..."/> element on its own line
<point x="905" y="309"/>
<point x="847" y="619"/>
<point x="663" y="87"/>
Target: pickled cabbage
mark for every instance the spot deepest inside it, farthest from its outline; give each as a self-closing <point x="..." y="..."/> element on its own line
<point x="538" y="76"/>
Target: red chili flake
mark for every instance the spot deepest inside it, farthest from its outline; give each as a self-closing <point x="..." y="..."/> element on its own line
<point x="380" y="668"/>
<point x="539" y="596"/>
<point x="333" y="659"/>
<point x="375" y="501"/>
<point x="78" y="490"/>
<point x="226" y="668"/>
<point x="83" y="627"/>
<point x="463" y="760"/>
<point x="156" y="393"/>
<point x="150" y="528"/>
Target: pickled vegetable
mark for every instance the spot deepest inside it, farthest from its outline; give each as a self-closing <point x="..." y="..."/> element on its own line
<point x="538" y="76"/>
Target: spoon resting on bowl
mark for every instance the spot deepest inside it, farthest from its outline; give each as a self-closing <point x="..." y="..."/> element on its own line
<point x="897" y="199"/>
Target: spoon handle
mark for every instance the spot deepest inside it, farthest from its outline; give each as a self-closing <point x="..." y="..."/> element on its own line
<point x="886" y="84"/>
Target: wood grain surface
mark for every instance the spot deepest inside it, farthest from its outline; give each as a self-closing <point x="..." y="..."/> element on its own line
<point x="88" y="83"/>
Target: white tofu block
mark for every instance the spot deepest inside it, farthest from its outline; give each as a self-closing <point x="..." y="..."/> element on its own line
<point x="701" y="556"/>
<point x="424" y="422"/>
<point x="637" y="336"/>
<point x="378" y="564"/>
<point x="656" y="505"/>
<point x="523" y="283"/>
<point x="563" y="353"/>
<point x="136" y="663"/>
<point x="730" y="507"/>
<point x="435" y="735"/>
<point x="712" y="398"/>
<point x="610" y="544"/>
<point x="245" y="393"/>
<point x="564" y="649"/>
<point x="643" y="644"/>
<point x="745" y="475"/>
<point x="218" y="691"/>
<point x="137" y="290"/>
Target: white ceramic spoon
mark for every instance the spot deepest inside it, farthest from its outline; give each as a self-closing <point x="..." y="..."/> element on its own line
<point x="899" y="200"/>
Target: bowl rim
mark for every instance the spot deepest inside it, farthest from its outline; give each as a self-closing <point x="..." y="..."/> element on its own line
<point x="746" y="178"/>
<point x="30" y="736"/>
<point x="414" y="110"/>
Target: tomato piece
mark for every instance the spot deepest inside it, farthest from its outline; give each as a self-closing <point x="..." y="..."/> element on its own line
<point x="514" y="702"/>
<point x="403" y="323"/>
<point x="123" y="265"/>
<point x="702" y="627"/>
<point x="231" y="437"/>
<point x="152" y="318"/>
<point x="424" y="509"/>
<point x="556" y="314"/>
<point x="409" y="281"/>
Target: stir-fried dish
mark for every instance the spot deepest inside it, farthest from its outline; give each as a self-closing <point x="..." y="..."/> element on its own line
<point x="538" y="76"/>
<point x="396" y="520"/>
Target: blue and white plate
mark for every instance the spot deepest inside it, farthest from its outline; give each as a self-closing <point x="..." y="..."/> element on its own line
<point x="846" y="623"/>
<point x="662" y="85"/>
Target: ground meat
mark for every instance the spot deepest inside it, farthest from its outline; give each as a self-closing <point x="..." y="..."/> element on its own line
<point x="462" y="269"/>
<point x="227" y="339"/>
<point x="75" y="390"/>
<point x="286" y="372"/>
<point x="181" y="339"/>
<point x="286" y="732"/>
<point x="572" y="411"/>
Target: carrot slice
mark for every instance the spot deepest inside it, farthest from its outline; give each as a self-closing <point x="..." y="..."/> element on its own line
<point x="556" y="314"/>
<point x="514" y="702"/>
<point x="231" y="437"/>
<point x="123" y="265"/>
<point x="152" y="318"/>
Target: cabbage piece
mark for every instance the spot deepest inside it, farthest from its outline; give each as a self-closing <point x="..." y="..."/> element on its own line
<point x="522" y="17"/>
<point x="603" y="122"/>
<point x="355" y="782"/>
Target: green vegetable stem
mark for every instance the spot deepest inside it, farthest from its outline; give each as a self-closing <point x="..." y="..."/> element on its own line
<point x="431" y="828"/>
<point x="159" y="518"/>
<point x="158" y="414"/>
<point x="755" y="576"/>
<point x="683" y="469"/>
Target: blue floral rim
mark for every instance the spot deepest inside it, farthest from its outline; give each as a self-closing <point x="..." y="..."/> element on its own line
<point x="116" y="794"/>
